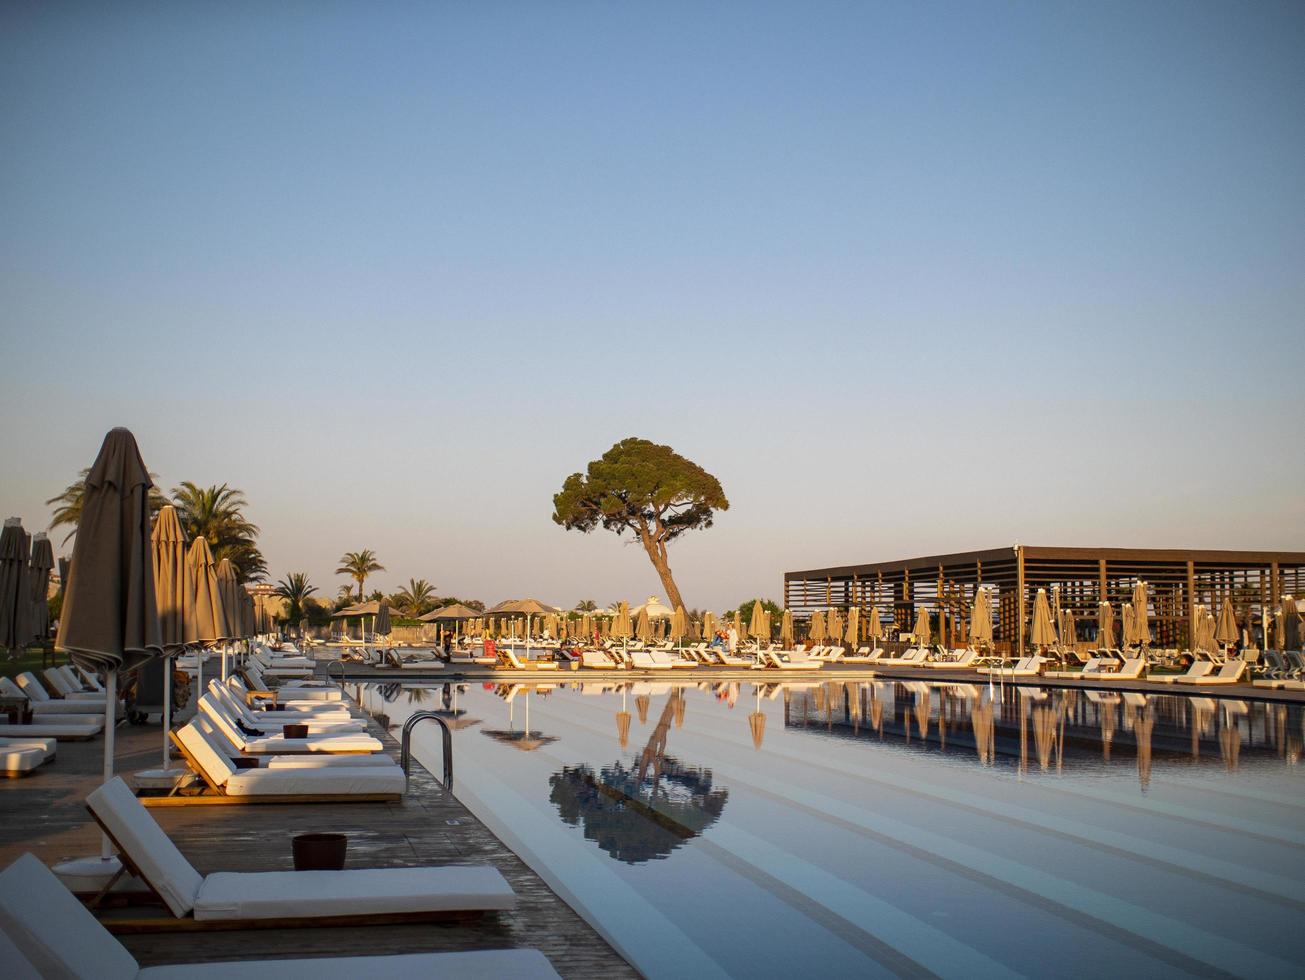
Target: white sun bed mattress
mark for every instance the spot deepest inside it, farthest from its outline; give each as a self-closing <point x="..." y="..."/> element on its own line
<point x="487" y="964"/>
<point x="17" y="762"/>
<point x="46" y="745"/>
<point x="319" y="781"/>
<point x="51" y="728"/>
<point x="369" y="891"/>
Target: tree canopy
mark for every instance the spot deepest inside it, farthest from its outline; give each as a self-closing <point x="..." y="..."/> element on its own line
<point x="217" y="514"/>
<point x="358" y="565"/>
<point x="646" y="489"/>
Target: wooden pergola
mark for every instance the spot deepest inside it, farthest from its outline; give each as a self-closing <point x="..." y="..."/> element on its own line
<point x="1178" y="580"/>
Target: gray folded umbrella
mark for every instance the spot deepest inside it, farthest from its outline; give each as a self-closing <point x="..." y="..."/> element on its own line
<point x="15" y="593"/>
<point x="41" y="565"/>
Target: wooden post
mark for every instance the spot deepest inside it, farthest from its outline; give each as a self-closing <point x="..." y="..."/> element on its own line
<point x="1191" y="601"/>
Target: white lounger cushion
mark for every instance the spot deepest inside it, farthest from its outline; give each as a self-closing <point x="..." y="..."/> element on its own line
<point x="316" y="781"/>
<point x="20" y="760"/>
<point x="487" y="964"/>
<point x="52" y="728"/>
<point x="57" y="937"/>
<point x="369" y="891"/>
<point x="46" y="745"/>
<point x="357" y="742"/>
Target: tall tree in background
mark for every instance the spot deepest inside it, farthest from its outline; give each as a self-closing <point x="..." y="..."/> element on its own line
<point x="68" y="505"/>
<point x="646" y="489"/>
<point x="358" y="565"/>
<point x="216" y="514"/>
<point x="586" y="605"/>
<point x="295" y="590"/>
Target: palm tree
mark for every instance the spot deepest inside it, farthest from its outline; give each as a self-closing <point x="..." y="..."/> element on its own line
<point x="216" y="514"/>
<point x="294" y="589"/>
<point x="358" y="565"/>
<point x="68" y="505"/>
<point x="416" y="597"/>
<point x="586" y="605"/>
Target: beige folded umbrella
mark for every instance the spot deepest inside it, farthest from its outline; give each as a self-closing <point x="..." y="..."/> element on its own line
<point x="738" y="623"/>
<point x="874" y="630"/>
<point x="922" y="631"/>
<point x="643" y="626"/>
<point x="981" y="620"/>
<point x="1141" y="619"/>
<point x="1105" y="626"/>
<point x="679" y="625"/>
<point x="110" y="619"/>
<point x="1226" y="632"/>
<point x="816" y="631"/>
<point x="175" y="597"/>
<point x="229" y="587"/>
<point x="758" y="628"/>
<point x="786" y="630"/>
<point x="834" y="626"/>
<point x="853" y="633"/>
<point x="1042" y="634"/>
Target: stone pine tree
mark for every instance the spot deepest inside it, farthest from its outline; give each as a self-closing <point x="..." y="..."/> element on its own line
<point x="648" y="490"/>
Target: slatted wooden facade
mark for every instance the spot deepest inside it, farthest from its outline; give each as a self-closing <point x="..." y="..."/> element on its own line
<point x="945" y="586"/>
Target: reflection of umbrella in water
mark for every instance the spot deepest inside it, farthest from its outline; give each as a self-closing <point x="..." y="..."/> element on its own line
<point x="640" y="812"/>
<point x="679" y="709"/>
<point x="757" y="723"/>
<point x="524" y="740"/>
<point x="984" y="741"/>
<point x="1142" y="729"/>
<point x="623" y="722"/>
<point x="641" y="702"/>
<point x="1230" y="741"/>
<point x="454" y="716"/>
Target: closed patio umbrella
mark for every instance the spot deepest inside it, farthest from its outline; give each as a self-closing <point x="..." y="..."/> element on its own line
<point x="1068" y="628"/>
<point x="874" y="629"/>
<point x="853" y="633"/>
<point x="758" y="628"/>
<point x="15" y="591"/>
<point x="1226" y="631"/>
<point x="1105" y="626"/>
<point x="210" y="619"/>
<point x="708" y="626"/>
<point x="382" y="624"/>
<point x="679" y="625"/>
<point x="643" y="627"/>
<point x="834" y="627"/>
<point x="816" y="631"/>
<point x="1130" y="626"/>
<point x="110" y="620"/>
<point x="738" y="623"/>
<point x="1043" y="634"/>
<point x="229" y="588"/>
<point x="1289" y="631"/>
<point x="42" y="564"/>
<point x="1141" y="621"/>
<point x="786" y="630"/>
<point x="923" y="634"/>
<point x="981" y="620"/>
<point x="175" y="598"/>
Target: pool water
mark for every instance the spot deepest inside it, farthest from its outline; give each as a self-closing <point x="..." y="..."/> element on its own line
<point x="894" y="828"/>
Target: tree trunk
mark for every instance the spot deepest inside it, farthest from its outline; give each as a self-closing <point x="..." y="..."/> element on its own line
<point x="664" y="571"/>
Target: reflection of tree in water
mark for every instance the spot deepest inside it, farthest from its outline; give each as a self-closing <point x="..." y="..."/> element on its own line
<point x="641" y="812"/>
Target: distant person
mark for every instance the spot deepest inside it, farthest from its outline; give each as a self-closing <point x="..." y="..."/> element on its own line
<point x="717" y="641"/>
<point x="732" y="640"/>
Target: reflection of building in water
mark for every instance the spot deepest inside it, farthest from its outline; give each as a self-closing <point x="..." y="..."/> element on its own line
<point x="642" y="811"/>
<point x="1051" y="730"/>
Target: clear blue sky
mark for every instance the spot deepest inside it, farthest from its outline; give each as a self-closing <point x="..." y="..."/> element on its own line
<point x="907" y="277"/>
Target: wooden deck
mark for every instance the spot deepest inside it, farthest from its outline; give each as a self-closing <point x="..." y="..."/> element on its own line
<point x="44" y="814"/>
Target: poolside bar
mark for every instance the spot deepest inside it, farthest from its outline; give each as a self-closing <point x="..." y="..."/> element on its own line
<point x="944" y="585"/>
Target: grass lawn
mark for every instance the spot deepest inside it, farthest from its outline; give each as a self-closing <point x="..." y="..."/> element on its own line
<point x="30" y="659"/>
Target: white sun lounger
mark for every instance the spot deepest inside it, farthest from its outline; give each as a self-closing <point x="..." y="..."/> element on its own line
<point x="48" y="746"/>
<point x="288" y="700"/>
<point x="272" y="723"/>
<point x="278" y="744"/>
<point x="1130" y="670"/>
<point x="302" y="760"/>
<point x="670" y="658"/>
<point x="303" y="688"/>
<point x="279" y="783"/>
<point x="334" y="716"/>
<point x="863" y="655"/>
<point x="1232" y="672"/>
<point x="305" y="896"/>
<point x="43" y="704"/>
<point x="772" y="661"/>
<point x="598" y="660"/>
<point x="20" y="762"/>
<point x="1025" y="667"/>
<point x="965" y="661"/>
<point x="54" y="935"/>
<point x="643" y="660"/>
<point x="520" y="664"/>
<point x="1199" y="670"/>
<point x="58" y="682"/>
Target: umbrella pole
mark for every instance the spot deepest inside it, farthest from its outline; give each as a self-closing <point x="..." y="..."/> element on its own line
<point x="167" y="707"/>
<point x="110" y="717"/>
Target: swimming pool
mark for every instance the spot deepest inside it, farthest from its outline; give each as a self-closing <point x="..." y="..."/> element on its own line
<point x="894" y="828"/>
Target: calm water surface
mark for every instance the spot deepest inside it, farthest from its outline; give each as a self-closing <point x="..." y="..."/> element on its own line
<point x="894" y="828"/>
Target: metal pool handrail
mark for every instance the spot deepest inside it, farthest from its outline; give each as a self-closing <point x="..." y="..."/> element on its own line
<point x="405" y="748"/>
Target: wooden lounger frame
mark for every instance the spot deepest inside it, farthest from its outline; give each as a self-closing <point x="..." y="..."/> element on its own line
<point x="165" y="921"/>
<point x="215" y="795"/>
